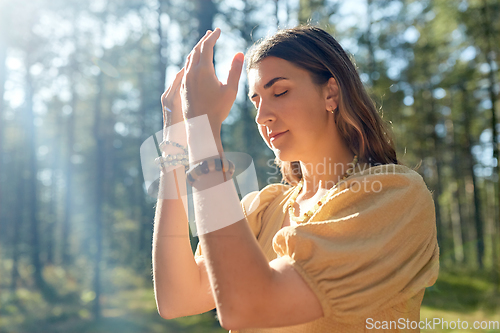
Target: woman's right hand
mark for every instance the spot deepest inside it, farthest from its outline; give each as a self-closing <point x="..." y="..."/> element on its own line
<point x="171" y="98"/>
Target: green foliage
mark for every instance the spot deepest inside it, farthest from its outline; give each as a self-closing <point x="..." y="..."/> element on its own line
<point x="91" y="75"/>
<point x="464" y="291"/>
<point x="128" y="306"/>
<point x="460" y="293"/>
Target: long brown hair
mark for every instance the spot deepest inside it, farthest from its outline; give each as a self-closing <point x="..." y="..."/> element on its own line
<point x="358" y="122"/>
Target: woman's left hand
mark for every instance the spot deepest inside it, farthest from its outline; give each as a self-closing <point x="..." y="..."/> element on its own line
<point x="201" y="90"/>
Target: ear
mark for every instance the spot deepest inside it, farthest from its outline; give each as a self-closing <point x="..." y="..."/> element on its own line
<point x="331" y="91"/>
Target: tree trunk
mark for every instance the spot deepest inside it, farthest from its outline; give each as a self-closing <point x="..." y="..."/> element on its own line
<point x="369" y="42"/>
<point x="32" y="198"/>
<point x="162" y="47"/>
<point x="491" y="89"/>
<point x="430" y="112"/>
<point x="68" y="177"/>
<point x="288" y="12"/>
<point x="436" y="149"/>
<point x="53" y="215"/>
<point x="18" y="215"/>
<point x="276" y="13"/>
<point x="98" y="196"/>
<point x="456" y="226"/>
<point x="478" y="221"/>
<point x="458" y="194"/>
<point x="438" y="180"/>
<point x="3" y="69"/>
<point x="205" y="12"/>
<point x="144" y="224"/>
<point x="307" y="9"/>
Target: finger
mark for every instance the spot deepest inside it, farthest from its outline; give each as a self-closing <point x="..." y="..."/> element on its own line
<point x="178" y="82"/>
<point x="172" y="87"/>
<point x="166" y="92"/>
<point x="235" y="72"/>
<point x="197" y="48"/>
<point x="207" y="47"/>
<point x="164" y="102"/>
<point x="178" y="79"/>
<point x="188" y="61"/>
<point x="171" y="91"/>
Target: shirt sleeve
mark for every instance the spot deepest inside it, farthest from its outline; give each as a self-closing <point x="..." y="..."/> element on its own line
<point x="371" y="246"/>
<point x="254" y="204"/>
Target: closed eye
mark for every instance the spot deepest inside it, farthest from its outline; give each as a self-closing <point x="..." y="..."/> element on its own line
<point x="278" y="95"/>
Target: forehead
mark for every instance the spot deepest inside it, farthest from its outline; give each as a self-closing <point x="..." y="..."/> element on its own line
<point x="271" y="67"/>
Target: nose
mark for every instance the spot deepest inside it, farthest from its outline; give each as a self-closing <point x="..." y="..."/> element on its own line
<point x="264" y="114"/>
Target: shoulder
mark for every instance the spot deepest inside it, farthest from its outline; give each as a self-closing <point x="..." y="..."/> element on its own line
<point x="255" y="204"/>
<point x="388" y="194"/>
<point x="389" y="173"/>
<point x="261" y="199"/>
<point x="384" y="180"/>
<point x="372" y="245"/>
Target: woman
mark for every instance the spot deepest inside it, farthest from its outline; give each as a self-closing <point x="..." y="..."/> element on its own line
<point x="348" y="246"/>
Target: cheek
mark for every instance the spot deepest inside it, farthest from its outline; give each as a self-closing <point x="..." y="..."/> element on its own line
<point x="310" y="122"/>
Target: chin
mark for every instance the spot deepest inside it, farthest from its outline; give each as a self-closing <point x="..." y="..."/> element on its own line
<point x="284" y="157"/>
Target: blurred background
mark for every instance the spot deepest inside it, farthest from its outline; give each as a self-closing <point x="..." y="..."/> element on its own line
<point x="80" y="86"/>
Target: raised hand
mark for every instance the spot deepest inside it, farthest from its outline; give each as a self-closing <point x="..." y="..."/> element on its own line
<point x="171" y="102"/>
<point x="201" y="90"/>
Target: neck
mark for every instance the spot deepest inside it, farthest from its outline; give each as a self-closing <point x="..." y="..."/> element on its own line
<point x="322" y="174"/>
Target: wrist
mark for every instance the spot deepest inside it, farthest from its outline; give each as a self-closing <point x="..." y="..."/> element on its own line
<point x="203" y="138"/>
<point x="176" y="132"/>
<point x="191" y="125"/>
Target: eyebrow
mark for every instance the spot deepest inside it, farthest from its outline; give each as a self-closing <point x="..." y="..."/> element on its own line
<point x="269" y="84"/>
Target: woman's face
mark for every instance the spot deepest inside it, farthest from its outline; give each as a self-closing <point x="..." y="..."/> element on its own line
<point x="289" y="104"/>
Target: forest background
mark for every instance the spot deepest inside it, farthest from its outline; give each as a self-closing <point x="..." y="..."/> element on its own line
<point x="80" y="86"/>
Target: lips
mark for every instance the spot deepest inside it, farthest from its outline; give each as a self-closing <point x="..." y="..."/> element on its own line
<point x="275" y="136"/>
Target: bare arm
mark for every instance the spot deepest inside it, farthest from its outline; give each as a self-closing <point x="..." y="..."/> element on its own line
<point x="181" y="284"/>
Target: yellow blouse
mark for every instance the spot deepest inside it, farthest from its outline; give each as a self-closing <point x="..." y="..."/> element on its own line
<point x="368" y="253"/>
